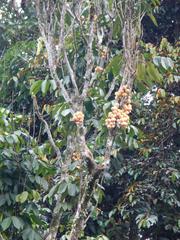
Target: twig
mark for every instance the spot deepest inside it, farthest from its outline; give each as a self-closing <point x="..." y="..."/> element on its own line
<point x="62" y="28"/>
<point x="89" y="55"/>
<point x="72" y="74"/>
<point x="111" y="88"/>
<point x="61" y="86"/>
<point x="109" y="145"/>
<point x="51" y="140"/>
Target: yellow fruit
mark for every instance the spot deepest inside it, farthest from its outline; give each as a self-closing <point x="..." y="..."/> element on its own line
<point x="127" y="108"/>
<point x="78" y="118"/>
<point x="124" y="91"/>
<point x="99" y="69"/>
<point x="76" y="156"/>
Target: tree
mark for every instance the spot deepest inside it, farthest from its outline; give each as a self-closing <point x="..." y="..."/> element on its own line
<point x="130" y="16"/>
<point x="76" y="84"/>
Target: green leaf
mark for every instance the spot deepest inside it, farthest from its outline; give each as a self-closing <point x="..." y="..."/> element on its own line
<point x="72" y="189"/>
<point x="36" y="195"/>
<point x="130" y="198"/>
<point x="41" y="181"/>
<point x="141" y="72"/>
<point x="115" y="65"/>
<point x="65" y="112"/>
<point x="167" y="63"/>
<point x="2" y="200"/>
<point x="22" y="197"/>
<point x="30" y="234"/>
<point x="135" y="129"/>
<point x="153" y="19"/>
<point x="53" y="190"/>
<point x="157" y="61"/>
<point x="17" y="222"/>
<point x="62" y="187"/>
<point x="15" y="138"/>
<point x="135" y="144"/>
<point x="45" y="86"/>
<point x="35" y="87"/>
<point x="9" y="139"/>
<point x="2" y="138"/>
<point x="98" y="195"/>
<point x="6" y="223"/>
<point x="106" y="106"/>
<point x="153" y="73"/>
<point x="117" y="28"/>
<point x="53" y="85"/>
<point x="110" y="3"/>
<point x="102" y="237"/>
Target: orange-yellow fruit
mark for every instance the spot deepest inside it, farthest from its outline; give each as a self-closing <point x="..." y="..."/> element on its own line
<point x="124" y="91"/>
<point x="99" y="69"/>
<point x="78" y="118"/>
<point x="120" y="116"/>
<point x="76" y="156"/>
<point x="129" y="100"/>
<point x="104" y="53"/>
<point x="117" y="117"/>
<point x="127" y="108"/>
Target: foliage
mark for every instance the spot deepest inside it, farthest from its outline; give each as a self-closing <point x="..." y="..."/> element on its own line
<point x="137" y="197"/>
<point x="146" y="178"/>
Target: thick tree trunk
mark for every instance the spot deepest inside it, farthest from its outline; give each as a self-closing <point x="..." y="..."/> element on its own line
<point x="80" y="218"/>
<point x="54" y="226"/>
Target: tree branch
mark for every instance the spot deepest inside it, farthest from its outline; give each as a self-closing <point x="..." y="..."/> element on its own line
<point x="50" y="47"/>
<point x="89" y="55"/>
<point x="72" y="74"/>
<point x="51" y="140"/>
<point x="111" y="89"/>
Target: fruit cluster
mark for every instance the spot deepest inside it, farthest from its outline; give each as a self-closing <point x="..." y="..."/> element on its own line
<point x="104" y="53"/>
<point x="78" y="118"/>
<point x="76" y="156"/>
<point x="119" y="116"/>
<point x="124" y="91"/>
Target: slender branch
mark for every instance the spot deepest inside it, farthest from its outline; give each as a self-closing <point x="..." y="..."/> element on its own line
<point x="51" y="50"/>
<point x="62" y="28"/>
<point x="72" y="74"/>
<point x="89" y="55"/>
<point x="109" y="145"/>
<point x="111" y="88"/>
<point x="51" y="140"/>
<point x="61" y="87"/>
